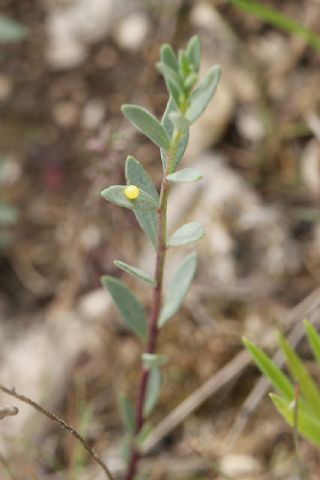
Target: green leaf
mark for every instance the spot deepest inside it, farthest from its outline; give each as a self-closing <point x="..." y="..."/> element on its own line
<point x="143" y="434"/>
<point x="11" y="31"/>
<point x="273" y="17"/>
<point x="151" y="360"/>
<point x="185" y="175"/>
<point x="127" y="414"/>
<point x="179" y="121"/>
<point x="8" y="215"/>
<point x="128" y="306"/>
<point x="193" y="52"/>
<point x="137" y="175"/>
<point x="173" y="83"/>
<point x="115" y="194"/>
<point x="134" y="271"/>
<point x="146" y="123"/>
<point x="168" y="126"/>
<point x="185" y="66"/>
<point x="168" y="57"/>
<point x="313" y="339"/>
<point x="202" y="95"/>
<point x="307" y="386"/>
<point x="276" y="377"/>
<point x="178" y="287"/>
<point x="188" y="233"/>
<point x="153" y="390"/>
<point x="308" y="424"/>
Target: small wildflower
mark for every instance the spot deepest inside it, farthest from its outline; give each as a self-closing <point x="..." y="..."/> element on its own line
<point x="131" y="192"/>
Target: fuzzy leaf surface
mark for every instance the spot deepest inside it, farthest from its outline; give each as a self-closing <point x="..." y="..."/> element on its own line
<point x="193" y="52"/>
<point x="178" y="287"/>
<point x="151" y="360"/>
<point x="188" y="233"/>
<point x="168" y="57"/>
<point x="137" y="175"/>
<point x="115" y="194"/>
<point x="128" y="306"/>
<point x="153" y="390"/>
<point x="134" y="271"/>
<point x="147" y="124"/>
<point x="185" y="175"/>
<point x="183" y="138"/>
<point x="127" y="413"/>
<point x="203" y="93"/>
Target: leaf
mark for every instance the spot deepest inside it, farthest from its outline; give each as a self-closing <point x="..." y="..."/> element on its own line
<point x="307" y="386"/>
<point x="276" y="377"/>
<point x="178" y="288"/>
<point x="179" y="121"/>
<point x="115" y="194"/>
<point x="313" y="339"/>
<point x="137" y="175"/>
<point x="273" y="17"/>
<point x="173" y="83"/>
<point x="128" y="306"/>
<point x="308" y="424"/>
<point x="11" y="31"/>
<point x="193" y="52"/>
<point x="168" y="126"/>
<point x="202" y="95"/>
<point x="152" y="392"/>
<point x="134" y="271"/>
<point x="146" y="123"/>
<point x="185" y="175"/>
<point x="143" y="434"/>
<point x="127" y="414"/>
<point x="151" y="360"/>
<point x="168" y="57"/>
<point x="188" y="233"/>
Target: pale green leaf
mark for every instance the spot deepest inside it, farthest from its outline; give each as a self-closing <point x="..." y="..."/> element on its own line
<point x="188" y="233"/>
<point x="179" y="121"/>
<point x="193" y="52"/>
<point x="169" y="128"/>
<point x="185" y="175"/>
<point x="307" y="386"/>
<point x="314" y="340"/>
<point x="151" y="360"/>
<point x="146" y="123"/>
<point x="145" y="431"/>
<point x="137" y="175"/>
<point x="203" y="93"/>
<point x="11" y="31"/>
<point x="168" y="57"/>
<point x="308" y="424"/>
<point x="178" y="287"/>
<point x="275" y="376"/>
<point x="115" y="194"/>
<point x="127" y="414"/>
<point x="152" y="392"/>
<point x="134" y="271"/>
<point x="129" y="307"/>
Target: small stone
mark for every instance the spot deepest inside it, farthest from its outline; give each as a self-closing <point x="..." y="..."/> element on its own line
<point x="92" y="114"/>
<point x="94" y="305"/>
<point x="132" y="31"/>
<point x="237" y="465"/>
<point x="66" y="114"/>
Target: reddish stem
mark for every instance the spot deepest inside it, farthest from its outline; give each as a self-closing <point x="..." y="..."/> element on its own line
<point x="152" y="322"/>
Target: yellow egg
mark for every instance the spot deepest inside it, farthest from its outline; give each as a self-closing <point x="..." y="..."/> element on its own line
<point x="131" y="192"/>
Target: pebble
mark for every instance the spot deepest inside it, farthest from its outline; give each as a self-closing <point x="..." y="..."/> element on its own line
<point x="236" y="465"/>
<point x="132" y="31"/>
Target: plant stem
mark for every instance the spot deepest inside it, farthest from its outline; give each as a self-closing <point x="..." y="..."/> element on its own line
<point x="156" y="302"/>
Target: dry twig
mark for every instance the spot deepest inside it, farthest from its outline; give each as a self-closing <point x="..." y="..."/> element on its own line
<point x="62" y="424"/>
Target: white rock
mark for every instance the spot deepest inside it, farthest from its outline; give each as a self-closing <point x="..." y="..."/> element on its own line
<point x="310" y="167"/>
<point x="93" y="113"/>
<point x="132" y="31"/>
<point x="235" y="465"/>
<point x="94" y="305"/>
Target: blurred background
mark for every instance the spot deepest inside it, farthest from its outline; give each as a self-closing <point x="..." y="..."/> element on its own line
<point x="66" y="66"/>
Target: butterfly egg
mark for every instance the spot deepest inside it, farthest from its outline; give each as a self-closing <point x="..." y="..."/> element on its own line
<point x="131" y="192"/>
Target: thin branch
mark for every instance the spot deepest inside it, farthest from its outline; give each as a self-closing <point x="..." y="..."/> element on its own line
<point x="61" y="423"/>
